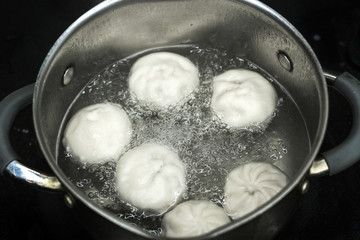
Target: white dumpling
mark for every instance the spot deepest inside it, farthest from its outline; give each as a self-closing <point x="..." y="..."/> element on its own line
<point x="98" y="133"/>
<point x="193" y="218"/>
<point x="151" y="177"/>
<point x="163" y="78"/>
<point x="250" y="186"/>
<point x="242" y="97"/>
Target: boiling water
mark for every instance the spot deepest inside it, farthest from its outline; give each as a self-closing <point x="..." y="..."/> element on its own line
<point x="208" y="148"/>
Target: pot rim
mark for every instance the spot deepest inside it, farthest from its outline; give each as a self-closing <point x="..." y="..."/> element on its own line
<point x="296" y="180"/>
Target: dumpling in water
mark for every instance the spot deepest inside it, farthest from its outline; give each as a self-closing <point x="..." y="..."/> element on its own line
<point x="193" y="218"/>
<point x="250" y="186"/>
<point x="242" y="97"/>
<point x="150" y="177"/>
<point x="163" y="78"/>
<point x="98" y="133"/>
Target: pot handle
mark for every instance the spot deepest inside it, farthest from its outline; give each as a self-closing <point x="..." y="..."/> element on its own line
<point x="348" y="152"/>
<point x="10" y="106"/>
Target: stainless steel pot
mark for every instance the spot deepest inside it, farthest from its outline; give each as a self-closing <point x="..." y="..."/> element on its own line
<point x="116" y="29"/>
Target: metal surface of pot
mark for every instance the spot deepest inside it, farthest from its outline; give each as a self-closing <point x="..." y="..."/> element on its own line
<point x="117" y="29"/>
<point x="251" y="30"/>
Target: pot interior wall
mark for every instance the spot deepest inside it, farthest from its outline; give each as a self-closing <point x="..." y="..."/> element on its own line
<point x="115" y="30"/>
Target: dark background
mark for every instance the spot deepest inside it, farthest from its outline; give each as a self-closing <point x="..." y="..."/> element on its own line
<point x="28" y="29"/>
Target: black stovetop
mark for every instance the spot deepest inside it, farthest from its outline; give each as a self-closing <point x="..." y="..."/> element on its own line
<point x="329" y="210"/>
